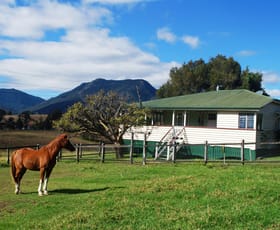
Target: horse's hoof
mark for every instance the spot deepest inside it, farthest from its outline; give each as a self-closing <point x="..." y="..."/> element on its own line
<point x="46" y="193"/>
<point x="40" y="194"/>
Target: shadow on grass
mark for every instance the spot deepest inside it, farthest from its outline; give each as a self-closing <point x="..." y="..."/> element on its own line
<point x="73" y="190"/>
<point x="77" y="190"/>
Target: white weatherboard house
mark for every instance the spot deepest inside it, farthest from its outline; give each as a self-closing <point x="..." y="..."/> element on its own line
<point x="223" y="118"/>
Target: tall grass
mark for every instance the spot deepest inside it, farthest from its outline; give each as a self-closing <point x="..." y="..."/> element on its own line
<point x="91" y="195"/>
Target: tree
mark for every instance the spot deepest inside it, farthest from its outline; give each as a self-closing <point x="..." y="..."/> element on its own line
<point x="225" y="72"/>
<point x="190" y="78"/>
<point x="2" y="114"/>
<point x="198" y="76"/>
<point x="23" y="120"/>
<point x="105" y="115"/>
<point x="251" y="81"/>
<point x="53" y="116"/>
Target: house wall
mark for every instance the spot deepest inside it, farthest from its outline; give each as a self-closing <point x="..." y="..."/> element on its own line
<point x="270" y="120"/>
<point x="228" y="120"/>
<point x="194" y="135"/>
<point x="270" y="129"/>
<point x="226" y="131"/>
<point x="197" y="135"/>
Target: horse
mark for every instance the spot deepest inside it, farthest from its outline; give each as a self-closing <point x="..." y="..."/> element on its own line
<point x="43" y="160"/>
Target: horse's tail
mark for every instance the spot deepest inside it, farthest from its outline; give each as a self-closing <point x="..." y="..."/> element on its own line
<point x="13" y="167"/>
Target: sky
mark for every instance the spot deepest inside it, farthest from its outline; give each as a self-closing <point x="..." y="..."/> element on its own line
<point x="48" y="47"/>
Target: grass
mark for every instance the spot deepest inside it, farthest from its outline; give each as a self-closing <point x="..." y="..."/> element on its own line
<point x="91" y="195"/>
<point x="30" y="137"/>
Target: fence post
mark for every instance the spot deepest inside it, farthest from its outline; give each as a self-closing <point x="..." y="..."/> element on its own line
<point x="156" y="152"/>
<point x="77" y="153"/>
<point x="81" y="150"/>
<point x="144" y="150"/>
<point x="8" y="156"/>
<point x="174" y="152"/>
<point x="131" y="149"/>
<point x="102" y="152"/>
<point x="242" y="152"/>
<point x="59" y="156"/>
<point x="206" y="152"/>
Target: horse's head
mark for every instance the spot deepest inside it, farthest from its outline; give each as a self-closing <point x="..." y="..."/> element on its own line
<point x="66" y="143"/>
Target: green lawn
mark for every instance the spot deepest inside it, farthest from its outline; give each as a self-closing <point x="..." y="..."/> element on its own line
<point x="91" y="195"/>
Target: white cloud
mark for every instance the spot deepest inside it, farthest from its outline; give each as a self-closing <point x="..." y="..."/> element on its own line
<point x="270" y="77"/>
<point x="32" y="21"/>
<point x="192" y="41"/>
<point x="112" y="2"/>
<point x="246" y="53"/>
<point x="274" y="93"/>
<point x="85" y="51"/>
<point x="271" y="81"/>
<point x="166" y="35"/>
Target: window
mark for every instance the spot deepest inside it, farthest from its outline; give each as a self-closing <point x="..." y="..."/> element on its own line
<point x="246" y="120"/>
<point x="179" y="119"/>
<point x="212" y="120"/>
<point x="158" y="118"/>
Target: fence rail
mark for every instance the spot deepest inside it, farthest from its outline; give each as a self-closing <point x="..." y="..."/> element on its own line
<point x="9" y="149"/>
<point x="100" y="152"/>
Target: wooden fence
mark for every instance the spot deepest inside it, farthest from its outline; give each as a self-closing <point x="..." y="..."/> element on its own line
<point x="9" y="150"/>
<point x="101" y="152"/>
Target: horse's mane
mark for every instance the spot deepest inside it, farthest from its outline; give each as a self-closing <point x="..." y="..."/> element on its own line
<point x="54" y="143"/>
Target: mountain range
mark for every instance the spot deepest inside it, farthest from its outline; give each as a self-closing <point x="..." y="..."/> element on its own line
<point x="17" y="101"/>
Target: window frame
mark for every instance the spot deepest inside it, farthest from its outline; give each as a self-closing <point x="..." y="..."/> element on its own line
<point x="246" y="120"/>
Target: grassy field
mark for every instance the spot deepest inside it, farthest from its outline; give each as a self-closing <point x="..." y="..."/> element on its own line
<point x="22" y="137"/>
<point x="91" y="195"/>
<point x="114" y="195"/>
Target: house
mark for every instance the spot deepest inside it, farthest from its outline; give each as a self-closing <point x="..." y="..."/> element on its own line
<point x="223" y="119"/>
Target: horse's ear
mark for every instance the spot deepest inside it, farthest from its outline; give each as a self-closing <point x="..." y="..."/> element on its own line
<point x="64" y="136"/>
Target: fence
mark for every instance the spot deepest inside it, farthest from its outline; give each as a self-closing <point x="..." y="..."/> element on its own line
<point x="137" y="152"/>
<point x="10" y="149"/>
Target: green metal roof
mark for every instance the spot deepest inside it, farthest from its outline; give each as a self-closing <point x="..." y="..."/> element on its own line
<point x="214" y="100"/>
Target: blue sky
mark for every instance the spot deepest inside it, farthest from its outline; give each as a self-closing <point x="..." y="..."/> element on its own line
<point x="48" y="47"/>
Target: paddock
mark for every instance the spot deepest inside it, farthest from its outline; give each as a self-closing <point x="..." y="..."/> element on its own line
<point x="92" y="195"/>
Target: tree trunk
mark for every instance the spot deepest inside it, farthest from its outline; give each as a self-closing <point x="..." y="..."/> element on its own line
<point x="119" y="150"/>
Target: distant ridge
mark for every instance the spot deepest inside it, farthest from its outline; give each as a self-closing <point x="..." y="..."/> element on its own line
<point x="126" y="88"/>
<point x="16" y="101"/>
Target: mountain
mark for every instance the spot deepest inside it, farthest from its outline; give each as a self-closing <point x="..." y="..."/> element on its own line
<point x="17" y="101"/>
<point x="126" y="88"/>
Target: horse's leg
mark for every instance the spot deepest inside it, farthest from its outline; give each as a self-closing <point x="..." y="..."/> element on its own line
<point x="47" y="176"/>
<point x="18" y="176"/>
<point x="42" y="176"/>
<point x="17" y="181"/>
<point x="45" y="187"/>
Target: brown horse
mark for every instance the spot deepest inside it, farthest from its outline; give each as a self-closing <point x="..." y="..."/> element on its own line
<point x="43" y="160"/>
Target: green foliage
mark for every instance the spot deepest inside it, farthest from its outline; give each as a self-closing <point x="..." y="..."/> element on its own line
<point x="104" y="114"/>
<point x="251" y="81"/>
<point x="91" y="195"/>
<point x="198" y="76"/>
<point x="224" y="72"/>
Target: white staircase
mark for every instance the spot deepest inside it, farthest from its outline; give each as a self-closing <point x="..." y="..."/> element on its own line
<point x="170" y="144"/>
